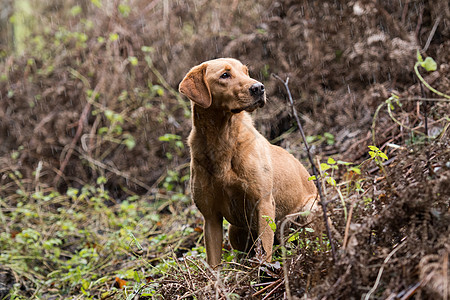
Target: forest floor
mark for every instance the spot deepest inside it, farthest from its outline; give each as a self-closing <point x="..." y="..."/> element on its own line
<point x="94" y="167"/>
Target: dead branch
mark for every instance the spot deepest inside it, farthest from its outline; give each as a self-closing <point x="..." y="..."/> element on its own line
<point x="314" y="169"/>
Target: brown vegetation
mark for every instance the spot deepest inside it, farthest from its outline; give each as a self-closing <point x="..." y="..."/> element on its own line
<point x="94" y="93"/>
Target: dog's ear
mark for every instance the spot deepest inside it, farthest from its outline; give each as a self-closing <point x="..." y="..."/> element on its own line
<point x="195" y="87"/>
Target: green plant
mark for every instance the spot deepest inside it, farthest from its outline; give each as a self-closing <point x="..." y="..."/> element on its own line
<point x="270" y="222"/>
<point x="175" y="145"/>
<point x="429" y="65"/>
<point x="378" y="156"/>
<point x="327" y="137"/>
<point x="333" y="165"/>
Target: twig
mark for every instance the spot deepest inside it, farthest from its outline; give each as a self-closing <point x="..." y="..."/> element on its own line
<point x="380" y="272"/>
<point x="314" y="169"/>
<point x="411" y="291"/>
<point x="117" y="172"/>
<point x="391" y="115"/>
<point x="430" y="37"/>
<point x="75" y="139"/>
<point x="405" y="11"/>
<point x="425" y="99"/>
<point x="81" y="122"/>
<point x="419" y="23"/>
<point x="347" y="227"/>
<point x="273" y="291"/>
<point x="267" y="287"/>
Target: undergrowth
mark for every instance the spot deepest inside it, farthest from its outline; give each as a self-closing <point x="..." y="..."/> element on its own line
<point x="94" y="170"/>
<point x="85" y="242"/>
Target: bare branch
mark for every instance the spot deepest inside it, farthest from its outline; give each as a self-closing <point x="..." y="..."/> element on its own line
<point x="323" y="203"/>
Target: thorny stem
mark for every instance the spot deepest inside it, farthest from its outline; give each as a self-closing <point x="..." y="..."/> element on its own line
<point x="323" y="203"/>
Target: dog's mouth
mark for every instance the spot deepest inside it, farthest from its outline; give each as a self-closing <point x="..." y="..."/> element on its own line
<point x="249" y="108"/>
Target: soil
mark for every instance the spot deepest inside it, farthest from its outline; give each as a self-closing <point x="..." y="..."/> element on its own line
<point x="343" y="60"/>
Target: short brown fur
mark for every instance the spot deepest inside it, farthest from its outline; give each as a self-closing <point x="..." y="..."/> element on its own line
<point x="236" y="173"/>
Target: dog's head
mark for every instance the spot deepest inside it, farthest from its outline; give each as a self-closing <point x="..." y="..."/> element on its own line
<point x="223" y="84"/>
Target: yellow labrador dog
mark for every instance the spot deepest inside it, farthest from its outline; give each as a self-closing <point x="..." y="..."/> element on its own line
<point x="236" y="173"/>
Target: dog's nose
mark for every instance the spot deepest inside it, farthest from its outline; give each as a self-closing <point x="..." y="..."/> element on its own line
<point x="257" y="89"/>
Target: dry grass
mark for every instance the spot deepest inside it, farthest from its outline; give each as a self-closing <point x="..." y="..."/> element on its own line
<point x="93" y="169"/>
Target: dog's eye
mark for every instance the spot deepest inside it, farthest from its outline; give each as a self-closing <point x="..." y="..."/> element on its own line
<point x="225" y="75"/>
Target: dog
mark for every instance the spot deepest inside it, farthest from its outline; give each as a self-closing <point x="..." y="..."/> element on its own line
<point x="236" y="173"/>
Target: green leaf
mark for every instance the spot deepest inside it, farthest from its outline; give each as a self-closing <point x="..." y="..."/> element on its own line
<point x="15" y="155"/>
<point x="147" y="49"/>
<point x="130" y="143"/>
<point x="124" y="10"/>
<point x="158" y="89"/>
<point x="294" y="237"/>
<point x="270" y="222"/>
<point x="310" y="139"/>
<point x="356" y="170"/>
<point x="312" y="178"/>
<point x="331" y="181"/>
<point x="113" y="37"/>
<point x="75" y="10"/>
<point x="72" y="192"/>
<point x="101" y="180"/>
<point x="123" y="96"/>
<point x="85" y="284"/>
<point x="179" y="144"/>
<point x="109" y="114"/>
<point x="429" y="64"/>
<point x="324" y="166"/>
<point x="329" y="138"/>
<point x="331" y="161"/>
<point x="97" y="3"/>
<point x="169" y="137"/>
<point x="102" y="130"/>
<point x="373" y="148"/>
<point x="383" y="156"/>
<point x="133" y="60"/>
<point x="118" y="129"/>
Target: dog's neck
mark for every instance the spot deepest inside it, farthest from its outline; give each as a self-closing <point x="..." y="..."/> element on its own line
<point x="215" y="138"/>
<point x="212" y="123"/>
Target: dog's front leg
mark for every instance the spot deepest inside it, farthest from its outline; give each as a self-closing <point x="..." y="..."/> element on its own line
<point x="265" y="232"/>
<point x="213" y="239"/>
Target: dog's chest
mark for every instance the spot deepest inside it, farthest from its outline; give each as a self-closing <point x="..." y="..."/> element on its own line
<point x="232" y="195"/>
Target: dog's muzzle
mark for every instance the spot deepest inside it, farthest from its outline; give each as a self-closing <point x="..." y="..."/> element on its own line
<point x="257" y="91"/>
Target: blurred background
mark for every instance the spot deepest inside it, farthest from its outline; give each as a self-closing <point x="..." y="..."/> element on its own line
<point x="110" y="69"/>
<point x="93" y="137"/>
